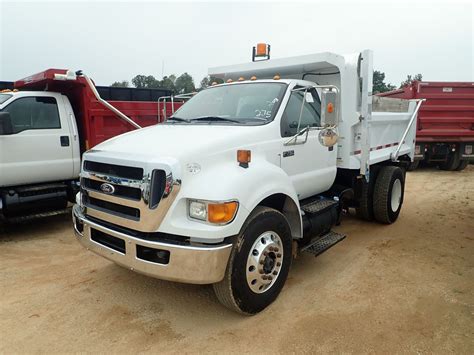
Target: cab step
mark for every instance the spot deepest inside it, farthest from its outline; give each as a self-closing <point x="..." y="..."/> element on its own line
<point x="318" y="206"/>
<point x="320" y="245"/>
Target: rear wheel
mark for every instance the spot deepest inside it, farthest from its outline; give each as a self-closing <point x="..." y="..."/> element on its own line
<point x="451" y="163"/>
<point x="462" y="165"/>
<point x="259" y="263"/>
<point x="413" y="165"/>
<point x="388" y="194"/>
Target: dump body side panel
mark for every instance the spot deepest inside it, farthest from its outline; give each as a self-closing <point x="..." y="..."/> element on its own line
<point x="447" y="115"/>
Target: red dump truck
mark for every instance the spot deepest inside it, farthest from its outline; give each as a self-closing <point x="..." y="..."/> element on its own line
<point x="48" y="120"/>
<point x="445" y="129"/>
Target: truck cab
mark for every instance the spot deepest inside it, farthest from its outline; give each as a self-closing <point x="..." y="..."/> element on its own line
<point x="246" y="174"/>
<point x="47" y="121"/>
<point x="42" y="128"/>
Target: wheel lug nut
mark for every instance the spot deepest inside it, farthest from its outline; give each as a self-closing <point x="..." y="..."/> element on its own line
<point x="275" y="272"/>
<point x="270" y="278"/>
<point x="276" y="249"/>
<point x="264" y="277"/>
<point x="261" y="262"/>
<point x="279" y="255"/>
<point x="278" y="264"/>
<point x="260" y="271"/>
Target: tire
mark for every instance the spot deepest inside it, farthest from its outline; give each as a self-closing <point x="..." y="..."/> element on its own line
<point x="451" y="163"/>
<point x="388" y="194"/>
<point x="462" y="165"/>
<point x="413" y="165"/>
<point x="238" y="290"/>
<point x="365" y="209"/>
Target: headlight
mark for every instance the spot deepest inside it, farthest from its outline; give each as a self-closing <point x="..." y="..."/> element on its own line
<point x="213" y="212"/>
<point x="198" y="210"/>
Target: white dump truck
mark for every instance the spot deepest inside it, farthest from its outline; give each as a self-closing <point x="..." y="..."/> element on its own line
<point x="247" y="174"/>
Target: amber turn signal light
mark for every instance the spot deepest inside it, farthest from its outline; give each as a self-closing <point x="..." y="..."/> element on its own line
<point x="221" y="212"/>
<point x="244" y="157"/>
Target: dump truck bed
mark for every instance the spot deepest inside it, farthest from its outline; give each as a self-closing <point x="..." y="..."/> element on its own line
<point x="447" y="115"/>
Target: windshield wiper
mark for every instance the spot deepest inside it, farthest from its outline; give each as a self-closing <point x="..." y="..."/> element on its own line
<point x="178" y="119"/>
<point x="214" y="118"/>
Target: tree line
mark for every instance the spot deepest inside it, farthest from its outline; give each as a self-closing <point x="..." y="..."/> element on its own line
<point x="185" y="83"/>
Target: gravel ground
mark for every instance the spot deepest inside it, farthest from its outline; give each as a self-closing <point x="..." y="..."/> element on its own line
<point x="407" y="287"/>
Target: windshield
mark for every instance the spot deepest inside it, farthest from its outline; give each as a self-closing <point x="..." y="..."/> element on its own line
<point x="4" y="97"/>
<point x="246" y="103"/>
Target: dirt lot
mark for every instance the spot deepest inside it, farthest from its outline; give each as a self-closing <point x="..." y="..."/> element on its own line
<point x="408" y="287"/>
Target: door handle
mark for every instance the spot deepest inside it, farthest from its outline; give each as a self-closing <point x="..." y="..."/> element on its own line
<point x="64" y="141"/>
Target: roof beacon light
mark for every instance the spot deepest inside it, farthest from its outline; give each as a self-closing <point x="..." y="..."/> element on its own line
<point x="262" y="50"/>
<point x="276" y="77"/>
<point x="241" y="78"/>
<point x="253" y="77"/>
<point x="229" y="80"/>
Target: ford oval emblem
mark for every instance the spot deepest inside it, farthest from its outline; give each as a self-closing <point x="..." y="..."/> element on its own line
<point x="107" y="188"/>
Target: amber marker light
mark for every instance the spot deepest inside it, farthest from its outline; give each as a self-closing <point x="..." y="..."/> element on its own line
<point x="229" y="80"/>
<point x="276" y="77"/>
<point x="330" y="107"/>
<point x="221" y="213"/>
<point x="253" y="78"/>
<point x="244" y="157"/>
<point x="241" y="78"/>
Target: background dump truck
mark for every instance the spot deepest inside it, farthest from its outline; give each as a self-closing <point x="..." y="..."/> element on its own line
<point x="47" y="121"/>
<point x="248" y="173"/>
<point x="445" y="130"/>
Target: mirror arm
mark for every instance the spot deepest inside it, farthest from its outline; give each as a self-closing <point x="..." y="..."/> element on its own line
<point x="295" y="137"/>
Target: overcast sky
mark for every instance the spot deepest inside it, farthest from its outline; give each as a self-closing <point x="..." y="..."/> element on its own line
<point x="116" y="40"/>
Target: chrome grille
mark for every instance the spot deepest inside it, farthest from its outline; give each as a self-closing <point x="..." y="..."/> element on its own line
<point x="132" y="193"/>
<point x="133" y="197"/>
<point x="127" y="172"/>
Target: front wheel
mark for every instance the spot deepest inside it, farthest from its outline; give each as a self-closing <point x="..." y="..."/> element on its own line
<point x="259" y="263"/>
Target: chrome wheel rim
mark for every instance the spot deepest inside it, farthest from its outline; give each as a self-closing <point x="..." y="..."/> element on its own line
<point x="264" y="262"/>
<point x="396" y="195"/>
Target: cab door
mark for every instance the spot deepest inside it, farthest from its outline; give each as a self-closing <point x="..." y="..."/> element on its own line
<point x="39" y="149"/>
<point x="310" y="165"/>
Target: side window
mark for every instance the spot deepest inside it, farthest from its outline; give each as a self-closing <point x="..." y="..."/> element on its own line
<point x="34" y="113"/>
<point x="311" y="115"/>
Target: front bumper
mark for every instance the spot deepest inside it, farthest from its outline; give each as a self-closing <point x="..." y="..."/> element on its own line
<point x="183" y="263"/>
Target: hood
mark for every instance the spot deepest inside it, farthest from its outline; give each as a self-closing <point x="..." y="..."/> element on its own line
<point x="180" y="141"/>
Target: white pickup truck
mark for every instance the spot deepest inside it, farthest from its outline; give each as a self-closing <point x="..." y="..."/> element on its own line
<point x="46" y="123"/>
<point x="248" y="173"/>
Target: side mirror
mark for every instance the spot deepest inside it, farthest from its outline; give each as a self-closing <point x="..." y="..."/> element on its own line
<point x="6" y="127"/>
<point x="328" y="107"/>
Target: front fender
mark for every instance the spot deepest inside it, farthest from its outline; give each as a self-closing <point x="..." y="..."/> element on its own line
<point x="227" y="181"/>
